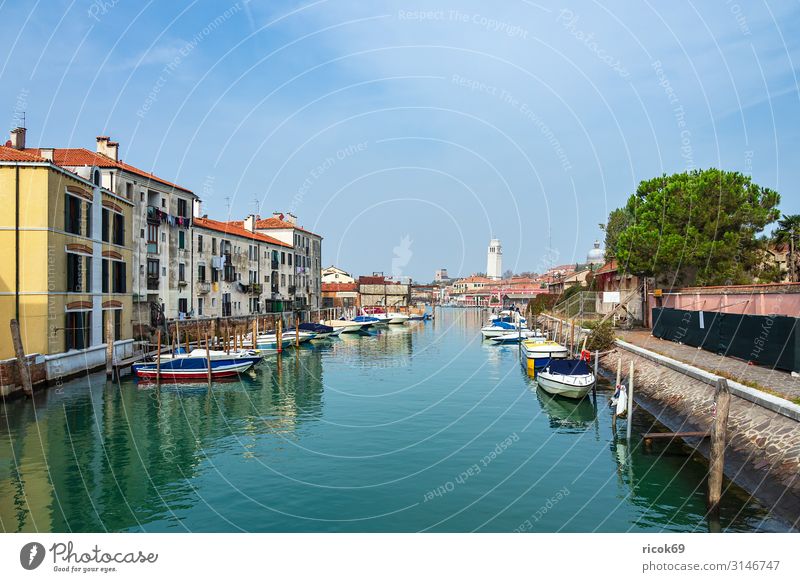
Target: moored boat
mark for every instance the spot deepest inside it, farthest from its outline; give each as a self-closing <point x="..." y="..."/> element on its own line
<point x="568" y="378"/>
<point x="320" y="330"/>
<point x="397" y="318"/>
<point x="346" y="325"/>
<point x="514" y="337"/>
<point x="539" y="352"/>
<point x="252" y="356"/>
<point x="498" y="328"/>
<point x="192" y="368"/>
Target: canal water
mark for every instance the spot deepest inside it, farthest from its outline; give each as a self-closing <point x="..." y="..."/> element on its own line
<point x="422" y="427"/>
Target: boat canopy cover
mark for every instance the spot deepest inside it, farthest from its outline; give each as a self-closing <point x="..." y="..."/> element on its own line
<point x="503" y="325"/>
<point x="316" y="327"/>
<point x="568" y="367"/>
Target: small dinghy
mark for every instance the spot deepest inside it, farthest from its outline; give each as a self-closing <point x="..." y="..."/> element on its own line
<point x="540" y="352"/>
<point x="568" y="378"/>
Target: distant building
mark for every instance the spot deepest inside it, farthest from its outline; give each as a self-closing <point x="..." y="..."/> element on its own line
<point x="596" y="256"/>
<point x="340" y="295"/>
<point x="377" y="290"/>
<point x="441" y="275"/>
<point x="494" y="260"/>
<point x="336" y="275"/>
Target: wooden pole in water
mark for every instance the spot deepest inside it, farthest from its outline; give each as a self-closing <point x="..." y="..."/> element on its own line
<point x="596" y="369"/>
<point x="22" y="362"/>
<point x="208" y="361"/>
<point x="158" y="358"/>
<point x="296" y="331"/>
<point x="198" y="336"/>
<point x="719" y="435"/>
<point x="279" y="335"/>
<point x="109" y="344"/>
<point x="572" y="337"/>
<point x="630" y="404"/>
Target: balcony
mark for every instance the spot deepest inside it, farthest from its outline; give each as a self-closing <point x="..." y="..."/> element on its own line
<point x="275" y="264"/>
<point x="203" y="287"/>
<point x="152" y="282"/>
<point x="292" y="289"/>
<point x="182" y="283"/>
<point x="254" y="288"/>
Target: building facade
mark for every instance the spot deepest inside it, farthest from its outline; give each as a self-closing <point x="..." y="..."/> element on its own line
<point x="160" y="231"/>
<point x="305" y="282"/>
<point x="336" y="275"/>
<point x="235" y="271"/>
<point x="68" y="264"/>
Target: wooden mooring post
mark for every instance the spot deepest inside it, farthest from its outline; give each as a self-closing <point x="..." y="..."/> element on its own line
<point x="22" y="362"/>
<point x="158" y="358"/>
<point x="109" y="344"/>
<point x="719" y="435"/>
<point x="208" y="360"/>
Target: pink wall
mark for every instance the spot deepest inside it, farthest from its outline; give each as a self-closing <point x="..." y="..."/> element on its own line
<point x="779" y="299"/>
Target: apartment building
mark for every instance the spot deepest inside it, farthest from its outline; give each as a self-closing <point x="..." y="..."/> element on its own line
<point x="160" y="230"/>
<point x="305" y="281"/>
<point x="235" y="270"/>
<point x="68" y="261"/>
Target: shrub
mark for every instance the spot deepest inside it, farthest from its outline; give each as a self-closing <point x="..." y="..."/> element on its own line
<point x="601" y="338"/>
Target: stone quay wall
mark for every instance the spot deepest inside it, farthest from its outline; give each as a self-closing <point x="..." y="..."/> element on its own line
<point x="763" y="449"/>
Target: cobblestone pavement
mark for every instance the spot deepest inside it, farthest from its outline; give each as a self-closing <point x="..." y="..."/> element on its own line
<point x="776" y="381"/>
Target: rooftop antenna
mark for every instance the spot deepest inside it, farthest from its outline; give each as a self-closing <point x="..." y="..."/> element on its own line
<point x="256" y="204"/>
<point x="228" y="205"/>
<point x="23" y="120"/>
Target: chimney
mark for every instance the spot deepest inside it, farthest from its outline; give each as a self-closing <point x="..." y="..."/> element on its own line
<point x="107" y="147"/>
<point x="250" y="223"/>
<point x="278" y="215"/>
<point x="197" y="208"/>
<point x="291" y="218"/>
<point x="47" y="153"/>
<point x="18" y="138"/>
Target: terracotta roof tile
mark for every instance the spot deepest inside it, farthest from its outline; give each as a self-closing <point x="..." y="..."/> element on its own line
<point x="84" y="157"/>
<point x="333" y="287"/>
<point x="9" y="154"/>
<point x="231" y="229"/>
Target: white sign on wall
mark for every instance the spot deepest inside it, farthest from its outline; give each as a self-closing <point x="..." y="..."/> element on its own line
<point x="610" y="296"/>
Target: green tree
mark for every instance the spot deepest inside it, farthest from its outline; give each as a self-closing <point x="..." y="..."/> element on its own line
<point x="617" y="221"/>
<point x="788" y="233"/>
<point x="698" y="227"/>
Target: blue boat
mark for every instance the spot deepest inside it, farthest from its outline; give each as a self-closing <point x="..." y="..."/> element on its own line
<point x="367" y="320"/>
<point x="192" y="368"/>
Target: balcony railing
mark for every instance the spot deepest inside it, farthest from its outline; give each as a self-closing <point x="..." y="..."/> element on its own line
<point x="203" y="287"/>
<point x="152" y="283"/>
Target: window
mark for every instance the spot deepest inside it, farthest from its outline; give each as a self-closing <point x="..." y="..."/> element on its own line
<point x="213" y="246"/>
<point x="182" y="207"/>
<point x="72" y="215"/>
<point x="283" y="258"/>
<point x="106" y="264"/>
<point x="199" y="243"/>
<point x="181" y="239"/>
<point x="152" y="238"/>
<point x="118" y="236"/>
<point x="77" y="327"/>
<point x="199" y="306"/>
<point x="163" y="203"/>
<point x="104" y="229"/>
<point x="96" y="178"/>
<point x="183" y="305"/>
<point x="290" y="259"/>
<point x="79" y="273"/>
<point x="129" y="190"/>
<point x="152" y="268"/>
<point x="201" y="273"/>
<point x="214" y="275"/>
<point x="119" y="283"/>
<point x="181" y="272"/>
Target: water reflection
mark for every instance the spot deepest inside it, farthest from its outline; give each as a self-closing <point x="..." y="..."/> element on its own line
<point x="569" y="416"/>
<point x="93" y="457"/>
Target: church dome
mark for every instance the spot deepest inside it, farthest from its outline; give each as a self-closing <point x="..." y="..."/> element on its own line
<point x="596" y="256"/>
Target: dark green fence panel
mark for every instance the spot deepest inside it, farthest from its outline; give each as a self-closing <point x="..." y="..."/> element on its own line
<point x="768" y="340"/>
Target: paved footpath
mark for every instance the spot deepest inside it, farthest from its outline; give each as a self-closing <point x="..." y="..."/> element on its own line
<point x="777" y="382"/>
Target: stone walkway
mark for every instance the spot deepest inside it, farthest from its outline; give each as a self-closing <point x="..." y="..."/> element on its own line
<point x="776" y="382"/>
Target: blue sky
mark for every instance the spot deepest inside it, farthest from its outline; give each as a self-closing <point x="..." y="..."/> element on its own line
<point x="410" y="133"/>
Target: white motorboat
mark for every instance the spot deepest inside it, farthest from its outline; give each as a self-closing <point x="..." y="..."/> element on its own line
<point x="498" y="328"/>
<point x="346" y="325"/>
<point x="298" y="337"/>
<point x="517" y="336"/>
<point x="397" y="318"/>
<point x="568" y="378"/>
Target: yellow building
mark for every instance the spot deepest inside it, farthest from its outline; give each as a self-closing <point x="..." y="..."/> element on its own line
<point x="67" y="264"/>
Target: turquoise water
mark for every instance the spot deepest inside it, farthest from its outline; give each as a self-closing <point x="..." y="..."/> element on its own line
<point x="422" y="427"/>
